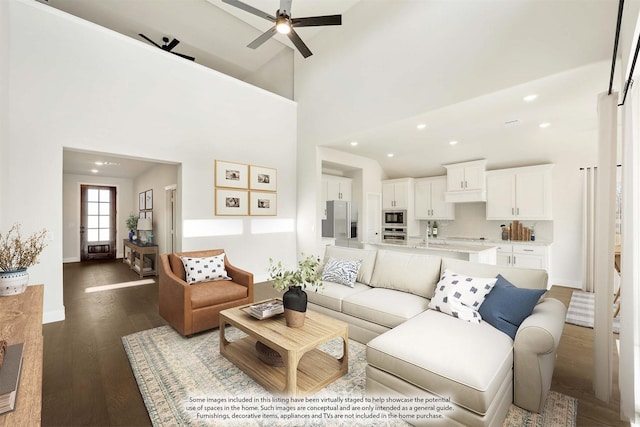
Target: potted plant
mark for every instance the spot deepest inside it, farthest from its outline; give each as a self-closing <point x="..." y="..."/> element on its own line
<point x="132" y="225"/>
<point x="295" y="281"/>
<point x="16" y="255"/>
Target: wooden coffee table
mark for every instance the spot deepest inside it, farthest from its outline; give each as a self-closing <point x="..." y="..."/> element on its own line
<point x="306" y="369"/>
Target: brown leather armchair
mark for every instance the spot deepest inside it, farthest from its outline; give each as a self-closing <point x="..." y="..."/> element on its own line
<point x="195" y="308"/>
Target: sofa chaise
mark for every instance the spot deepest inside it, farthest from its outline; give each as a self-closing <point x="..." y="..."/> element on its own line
<point x="416" y="350"/>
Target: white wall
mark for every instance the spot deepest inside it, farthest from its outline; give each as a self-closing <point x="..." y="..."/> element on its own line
<point x="156" y="179"/>
<point x="71" y="211"/>
<point x="276" y="75"/>
<point x="4" y="101"/>
<point x="102" y="90"/>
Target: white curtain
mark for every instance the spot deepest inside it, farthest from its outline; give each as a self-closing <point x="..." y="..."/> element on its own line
<point x="589" y="213"/>
<point x="629" y="371"/>
<point x="604" y="238"/>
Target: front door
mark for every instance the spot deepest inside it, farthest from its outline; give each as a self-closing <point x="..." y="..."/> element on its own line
<point x="98" y="222"/>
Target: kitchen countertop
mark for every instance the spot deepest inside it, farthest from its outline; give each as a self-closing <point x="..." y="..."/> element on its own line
<point x="477" y="240"/>
<point x="437" y="246"/>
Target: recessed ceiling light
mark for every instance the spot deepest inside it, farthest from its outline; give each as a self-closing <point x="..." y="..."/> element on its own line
<point x="354" y="143"/>
<point x="530" y="98"/>
<point x="390" y="155"/>
<point x="98" y="163"/>
<point x="453" y="142"/>
<point x="421" y="126"/>
<point x="94" y="170"/>
<point x="544" y="125"/>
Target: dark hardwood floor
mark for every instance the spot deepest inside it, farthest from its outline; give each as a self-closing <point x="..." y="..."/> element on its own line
<point x="87" y="380"/>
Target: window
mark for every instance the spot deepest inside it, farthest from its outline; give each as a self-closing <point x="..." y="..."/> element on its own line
<point x="98" y="215"/>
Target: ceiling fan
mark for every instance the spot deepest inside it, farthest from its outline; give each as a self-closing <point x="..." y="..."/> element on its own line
<point x="168" y="46"/>
<point x="284" y="23"/>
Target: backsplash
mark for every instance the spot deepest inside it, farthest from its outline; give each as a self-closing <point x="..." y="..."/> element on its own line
<point x="470" y="222"/>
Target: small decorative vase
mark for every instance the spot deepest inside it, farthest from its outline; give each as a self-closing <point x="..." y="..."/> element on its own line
<point x="295" y="306"/>
<point x="13" y="282"/>
<point x="131" y="234"/>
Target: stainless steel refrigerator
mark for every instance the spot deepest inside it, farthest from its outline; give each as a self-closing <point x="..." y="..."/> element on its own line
<point x="338" y="222"/>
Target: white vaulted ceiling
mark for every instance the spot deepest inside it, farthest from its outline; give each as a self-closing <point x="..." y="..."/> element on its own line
<point x="461" y="67"/>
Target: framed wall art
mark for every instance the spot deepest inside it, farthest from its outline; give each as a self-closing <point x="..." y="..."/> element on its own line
<point x="263" y="179"/>
<point x="141" y="201"/>
<point x="232" y="202"/>
<point x="148" y="199"/>
<point x="231" y="175"/>
<point x="263" y="203"/>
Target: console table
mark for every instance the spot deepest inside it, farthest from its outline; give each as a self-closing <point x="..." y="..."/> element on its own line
<point x="136" y="254"/>
<point x="21" y="322"/>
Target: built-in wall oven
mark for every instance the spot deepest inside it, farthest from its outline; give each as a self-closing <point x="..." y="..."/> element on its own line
<point x="394" y="218"/>
<point x="394" y="234"/>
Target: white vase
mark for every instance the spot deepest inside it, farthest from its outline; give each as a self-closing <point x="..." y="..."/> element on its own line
<point x="13" y="282"/>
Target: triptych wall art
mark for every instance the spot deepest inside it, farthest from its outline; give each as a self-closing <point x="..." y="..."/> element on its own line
<point x="243" y="189"/>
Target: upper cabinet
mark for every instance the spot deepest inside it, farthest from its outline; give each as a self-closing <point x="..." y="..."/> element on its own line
<point x="430" y="201"/>
<point x="466" y="182"/>
<point x="334" y="188"/>
<point x="397" y="193"/>
<point x="520" y="193"/>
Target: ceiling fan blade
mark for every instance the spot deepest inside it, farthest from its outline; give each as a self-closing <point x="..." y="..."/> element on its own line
<point x="297" y="41"/>
<point x="173" y="43"/>
<point x="190" y="58"/>
<point x="250" y="9"/>
<point x="316" y="21"/>
<point x="285" y="7"/>
<point x="149" y="40"/>
<point x="263" y="38"/>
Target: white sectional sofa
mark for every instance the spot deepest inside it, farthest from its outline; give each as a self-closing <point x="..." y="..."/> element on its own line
<point x="413" y="350"/>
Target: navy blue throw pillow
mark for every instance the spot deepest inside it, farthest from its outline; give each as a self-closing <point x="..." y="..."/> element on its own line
<point x="506" y="306"/>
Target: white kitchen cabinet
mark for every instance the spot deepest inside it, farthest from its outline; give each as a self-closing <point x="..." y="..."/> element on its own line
<point x="429" y="199"/>
<point x="335" y="188"/>
<point x="397" y="193"/>
<point x="519" y="193"/>
<point x="466" y="182"/>
<point x="523" y="256"/>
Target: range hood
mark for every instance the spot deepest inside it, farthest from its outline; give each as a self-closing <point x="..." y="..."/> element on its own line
<point x="466" y="182"/>
<point x="469" y="196"/>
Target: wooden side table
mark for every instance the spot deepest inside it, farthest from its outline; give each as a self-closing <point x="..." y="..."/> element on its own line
<point x="21" y="322"/>
<point x="135" y="257"/>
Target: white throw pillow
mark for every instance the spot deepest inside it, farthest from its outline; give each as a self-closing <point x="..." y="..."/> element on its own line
<point x="206" y="269"/>
<point x="461" y="296"/>
<point x="341" y="271"/>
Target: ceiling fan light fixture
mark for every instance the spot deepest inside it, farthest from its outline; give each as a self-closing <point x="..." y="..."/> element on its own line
<point x="283" y="26"/>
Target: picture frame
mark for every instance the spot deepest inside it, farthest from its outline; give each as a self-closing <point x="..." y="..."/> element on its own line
<point x="141" y="201"/>
<point x="231" y="175"/>
<point x="149" y="214"/>
<point x="143" y="214"/>
<point x="148" y="199"/>
<point x="263" y="203"/>
<point x="263" y="178"/>
<point x="232" y="202"/>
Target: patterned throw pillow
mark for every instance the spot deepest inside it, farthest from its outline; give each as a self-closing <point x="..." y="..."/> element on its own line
<point x="461" y="296"/>
<point x="206" y="269"/>
<point x="341" y="271"/>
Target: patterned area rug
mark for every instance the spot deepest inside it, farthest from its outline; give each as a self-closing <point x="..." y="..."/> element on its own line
<point x="186" y="382"/>
<point x="581" y="311"/>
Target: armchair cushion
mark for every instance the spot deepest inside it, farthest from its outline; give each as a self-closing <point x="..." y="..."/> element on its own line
<point x="209" y="294"/>
<point x="205" y="269"/>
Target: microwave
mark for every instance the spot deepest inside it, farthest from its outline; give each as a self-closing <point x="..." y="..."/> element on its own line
<point x="391" y="218"/>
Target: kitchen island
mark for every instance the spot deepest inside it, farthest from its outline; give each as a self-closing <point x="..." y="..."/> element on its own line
<point x="468" y="252"/>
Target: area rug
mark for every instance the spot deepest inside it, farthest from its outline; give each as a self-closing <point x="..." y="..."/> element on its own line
<point x="186" y="382"/>
<point x="582" y="308"/>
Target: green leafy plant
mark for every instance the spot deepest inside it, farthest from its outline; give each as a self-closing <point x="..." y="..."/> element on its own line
<point x="17" y="253"/>
<point x="305" y="275"/>
<point x="132" y="222"/>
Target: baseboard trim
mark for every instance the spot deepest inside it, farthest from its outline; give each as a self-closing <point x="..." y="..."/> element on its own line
<point x="53" y="316"/>
<point x="72" y="259"/>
